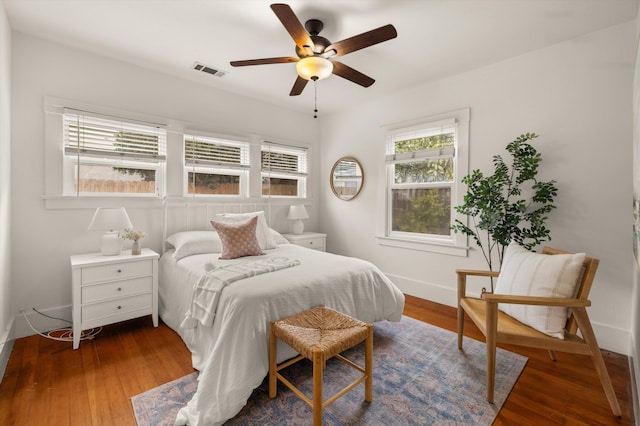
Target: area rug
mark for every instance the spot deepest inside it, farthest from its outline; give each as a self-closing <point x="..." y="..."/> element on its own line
<point x="420" y="378"/>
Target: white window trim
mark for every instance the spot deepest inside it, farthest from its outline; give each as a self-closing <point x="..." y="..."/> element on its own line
<point x="302" y="184"/>
<point x="102" y="155"/>
<point x="54" y="156"/>
<point x="240" y="170"/>
<point x="69" y="179"/>
<point x="457" y="244"/>
<point x="54" y="195"/>
<point x="300" y="176"/>
<point x="244" y="181"/>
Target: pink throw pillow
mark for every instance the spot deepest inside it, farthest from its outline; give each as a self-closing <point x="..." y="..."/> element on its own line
<point x="238" y="239"/>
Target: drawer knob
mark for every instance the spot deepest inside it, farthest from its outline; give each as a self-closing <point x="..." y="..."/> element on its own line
<point x="119" y="288"/>
<point x="119" y="307"/>
<point x="119" y="270"/>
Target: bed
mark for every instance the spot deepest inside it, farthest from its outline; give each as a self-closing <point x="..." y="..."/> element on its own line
<point x="231" y="353"/>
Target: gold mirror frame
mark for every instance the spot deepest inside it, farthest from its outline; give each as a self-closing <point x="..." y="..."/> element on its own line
<point x="346" y="178"/>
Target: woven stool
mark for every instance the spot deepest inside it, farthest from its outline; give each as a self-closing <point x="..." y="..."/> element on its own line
<point x="318" y="335"/>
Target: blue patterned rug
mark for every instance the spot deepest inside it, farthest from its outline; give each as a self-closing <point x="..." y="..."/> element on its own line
<point x="420" y="378"/>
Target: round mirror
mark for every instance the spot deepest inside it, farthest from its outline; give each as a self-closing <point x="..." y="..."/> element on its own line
<point x="346" y="178"/>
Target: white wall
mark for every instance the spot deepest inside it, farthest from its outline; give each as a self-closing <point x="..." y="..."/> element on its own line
<point x="5" y="185"/>
<point x="577" y="96"/>
<point x="42" y="238"/>
<point x="634" y="350"/>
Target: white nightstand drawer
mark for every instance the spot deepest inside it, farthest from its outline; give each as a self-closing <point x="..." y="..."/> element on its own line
<point x="116" y="307"/>
<point x="312" y="243"/>
<point x="311" y="240"/>
<point x="117" y="271"/>
<point x="98" y="292"/>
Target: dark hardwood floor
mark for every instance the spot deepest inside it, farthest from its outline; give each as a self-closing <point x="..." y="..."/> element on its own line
<point x="48" y="383"/>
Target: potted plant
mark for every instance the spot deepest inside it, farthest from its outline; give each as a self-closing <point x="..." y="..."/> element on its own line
<point x="135" y="236"/>
<point x="509" y="205"/>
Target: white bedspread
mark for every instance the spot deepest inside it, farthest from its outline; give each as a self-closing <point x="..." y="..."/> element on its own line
<point x="207" y="291"/>
<point x="232" y="355"/>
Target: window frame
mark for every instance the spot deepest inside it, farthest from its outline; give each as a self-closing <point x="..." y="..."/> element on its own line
<point x="300" y="175"/>
<point x="173" y="190"/>
<point x="75" y="157"/>
<point x="454" y="243"/>
<point x="217" y="168"/>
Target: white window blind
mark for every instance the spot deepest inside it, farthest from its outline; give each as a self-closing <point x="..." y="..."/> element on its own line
<point x="219" y="153"/>
<point x="408" y="157"/>
<point x="284" y="159"/>
<point x="88" y="135"/>
<point x="444" y="127"/>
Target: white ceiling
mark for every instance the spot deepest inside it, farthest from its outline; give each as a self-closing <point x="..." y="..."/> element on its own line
<point x="436" y="38"/>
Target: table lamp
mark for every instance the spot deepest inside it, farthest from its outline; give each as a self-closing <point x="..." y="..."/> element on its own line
<point x="297" y="213"/>
<point x="112" y="221"/>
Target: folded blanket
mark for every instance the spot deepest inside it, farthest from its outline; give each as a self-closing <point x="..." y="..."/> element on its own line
<point x="206" y="292"/>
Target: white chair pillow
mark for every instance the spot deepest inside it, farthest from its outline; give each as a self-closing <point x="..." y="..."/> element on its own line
<point x="525" y="273"/>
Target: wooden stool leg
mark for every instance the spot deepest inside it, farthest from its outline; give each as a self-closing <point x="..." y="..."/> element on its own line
<point x="317" y="388"/>
<point x="368" y="365"/>
<point x="273" y="352"/>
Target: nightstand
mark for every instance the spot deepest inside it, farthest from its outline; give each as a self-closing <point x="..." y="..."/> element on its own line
<point x="312" y="240"/>
<point x="108" y="289"/>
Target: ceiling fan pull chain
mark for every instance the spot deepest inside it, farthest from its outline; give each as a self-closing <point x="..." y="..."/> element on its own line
<point x="315" y="100"/>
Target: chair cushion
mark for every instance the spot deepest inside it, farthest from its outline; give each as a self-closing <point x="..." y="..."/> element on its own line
<point x="525" y="273"/>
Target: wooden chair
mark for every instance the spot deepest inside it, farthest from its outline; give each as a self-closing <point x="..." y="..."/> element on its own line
<point x="499" y="327"/>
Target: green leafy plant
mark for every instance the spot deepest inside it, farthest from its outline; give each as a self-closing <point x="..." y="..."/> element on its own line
<point x="509" y="205"/>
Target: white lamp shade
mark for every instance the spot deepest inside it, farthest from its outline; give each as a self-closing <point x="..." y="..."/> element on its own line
<point x="314" y="66"/>
<point x="298" y="212"/>
<point x="110" y="220"/>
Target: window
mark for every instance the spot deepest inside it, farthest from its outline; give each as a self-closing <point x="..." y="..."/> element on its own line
<point x="215" y="166"/>
<point x="283" y="171"/>
<point x="111" y="156"/>
<point x="425" y="163"/>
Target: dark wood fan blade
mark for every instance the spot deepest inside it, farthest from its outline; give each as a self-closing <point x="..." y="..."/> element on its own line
<point x="292" y="25"/>
<point x="363" y="40"/>
<point x="264" y="61"/>
<point x="351" y="74"/>
<point x="298" y="86"/>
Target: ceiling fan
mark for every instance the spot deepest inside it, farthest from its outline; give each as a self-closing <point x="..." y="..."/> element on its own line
<point x="316" y="53"/>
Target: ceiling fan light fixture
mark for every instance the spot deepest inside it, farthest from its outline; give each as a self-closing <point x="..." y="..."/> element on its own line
<point x="314" y="68"/>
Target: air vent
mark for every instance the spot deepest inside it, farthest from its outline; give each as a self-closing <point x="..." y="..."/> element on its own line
<point x="200" y="67"/>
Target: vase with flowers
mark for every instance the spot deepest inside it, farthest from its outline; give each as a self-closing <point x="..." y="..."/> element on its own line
<point x="135" y="236"/>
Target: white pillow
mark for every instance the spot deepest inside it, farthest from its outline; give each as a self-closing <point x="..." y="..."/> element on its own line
<point x="280" y="239"/>
<point x="263" y="233"/>
<point x="194" y="242"/>
<point x="525" y="273"/>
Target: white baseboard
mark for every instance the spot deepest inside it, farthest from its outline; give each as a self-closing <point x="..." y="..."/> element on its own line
<point x="6" y="344"/>
<point x="609" y="338"/>
<point x="40" y="322"/>
<point x="424" y="290"/>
